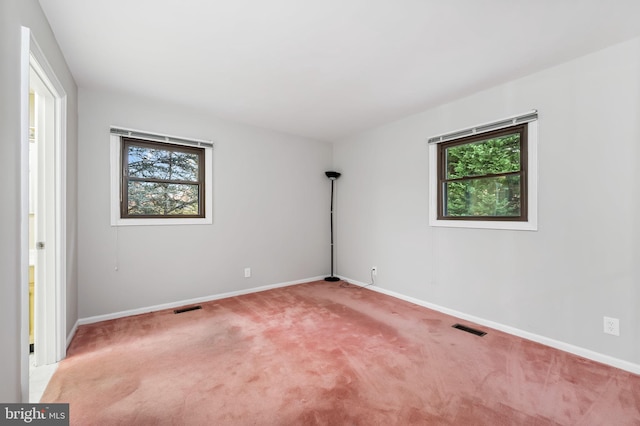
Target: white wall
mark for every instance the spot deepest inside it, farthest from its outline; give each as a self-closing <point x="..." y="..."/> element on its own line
<point x="270" y="198"/>
<point x="13" y="15"/>
<point x="582" y="263"/>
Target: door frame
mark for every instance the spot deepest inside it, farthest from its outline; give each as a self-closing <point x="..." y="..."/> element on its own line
<point x="53" y="306"/>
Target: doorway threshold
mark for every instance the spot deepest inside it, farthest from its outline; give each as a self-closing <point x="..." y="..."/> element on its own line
<point x="39" y="378"/>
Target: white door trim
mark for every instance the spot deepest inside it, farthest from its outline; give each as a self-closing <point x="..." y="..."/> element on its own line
<point x="32" y="56"/>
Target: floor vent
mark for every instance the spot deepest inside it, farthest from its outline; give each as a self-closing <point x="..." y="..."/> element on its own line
<point x="469" y="329"/>
<point x="190" y="308"/>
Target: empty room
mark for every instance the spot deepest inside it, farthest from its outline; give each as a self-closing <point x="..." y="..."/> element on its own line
<point x="320" y="212"/>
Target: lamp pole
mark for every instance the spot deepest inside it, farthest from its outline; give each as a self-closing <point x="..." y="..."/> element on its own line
<point x="332" y="177"/>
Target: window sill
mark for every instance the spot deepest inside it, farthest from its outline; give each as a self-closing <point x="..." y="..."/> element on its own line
<point x="509" y="225"/>
<point x="161" y="222"/>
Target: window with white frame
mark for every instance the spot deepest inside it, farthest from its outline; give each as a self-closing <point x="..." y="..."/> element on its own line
<point x="486" y="176"/>
<point x="159" y="179"/>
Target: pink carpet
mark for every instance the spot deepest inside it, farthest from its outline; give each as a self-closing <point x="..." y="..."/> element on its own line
<point x="320" y="354"/>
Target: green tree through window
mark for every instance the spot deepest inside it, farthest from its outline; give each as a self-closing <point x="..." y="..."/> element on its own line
<point x="483" y="177"/>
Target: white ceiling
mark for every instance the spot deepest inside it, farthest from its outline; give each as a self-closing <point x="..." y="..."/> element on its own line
<point x="324" y="69"/>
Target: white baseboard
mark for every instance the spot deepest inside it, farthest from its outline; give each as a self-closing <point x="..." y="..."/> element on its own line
<point x="171" y="305"/>
<point x="556" y="344"/>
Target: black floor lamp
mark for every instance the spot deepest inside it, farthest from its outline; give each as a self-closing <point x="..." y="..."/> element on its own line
<point x="332" y="177"/>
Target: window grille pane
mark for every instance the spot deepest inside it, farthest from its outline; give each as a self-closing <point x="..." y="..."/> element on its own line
<point x="485" y="157"/>
<point x="488" y="196"/>
<point x="162" y="199"/>
<point x="153" y="163"/>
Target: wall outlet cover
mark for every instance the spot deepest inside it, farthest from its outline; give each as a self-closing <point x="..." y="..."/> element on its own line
<point x="612" y="326"/>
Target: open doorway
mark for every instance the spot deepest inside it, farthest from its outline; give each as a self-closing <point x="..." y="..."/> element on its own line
<point x="43" y="231"/>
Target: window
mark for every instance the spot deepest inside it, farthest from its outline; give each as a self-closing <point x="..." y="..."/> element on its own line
<point x="159" y="180"/>
<point x="486" y="177"/>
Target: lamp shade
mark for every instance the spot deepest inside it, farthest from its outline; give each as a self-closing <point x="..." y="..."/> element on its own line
<point x="332" y="175"/>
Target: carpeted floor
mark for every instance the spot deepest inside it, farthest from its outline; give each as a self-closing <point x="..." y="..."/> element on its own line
<point x="321" y="354"/>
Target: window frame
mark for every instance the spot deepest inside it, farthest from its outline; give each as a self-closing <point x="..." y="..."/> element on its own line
<point x="126" y="178"/>
<point x="117" y="152"/>
<point x="521" y="129"/>
<point x="530" y="203"/>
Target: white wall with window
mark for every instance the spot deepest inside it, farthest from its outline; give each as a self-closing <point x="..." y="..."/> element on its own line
<point x="268" y="212"/>
<point x="558" y="282"/>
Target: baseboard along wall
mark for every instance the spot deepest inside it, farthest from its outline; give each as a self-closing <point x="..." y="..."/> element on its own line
<point x="171" y="305"/>
<point x="556" y="344"/>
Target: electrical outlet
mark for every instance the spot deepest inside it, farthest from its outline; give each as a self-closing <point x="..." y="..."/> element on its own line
<point x="247" y="272"/>
<point x="612" y="326"/>
<point x="374" y="270"/>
